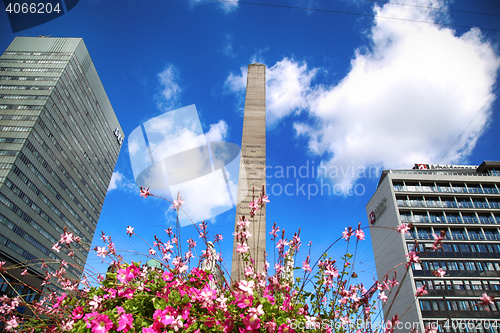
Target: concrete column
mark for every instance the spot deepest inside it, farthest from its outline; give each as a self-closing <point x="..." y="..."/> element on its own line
<point x="252" y="169"/>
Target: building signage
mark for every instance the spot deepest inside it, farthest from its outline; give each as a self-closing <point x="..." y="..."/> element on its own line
<point x="379" y="210"/>
<point x="118" y="136"/>
<point x="443" y="166"/>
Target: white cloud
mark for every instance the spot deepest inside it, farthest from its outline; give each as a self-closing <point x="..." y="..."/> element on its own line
<point x="237" y="83"/>
<point x="170" y="92"/>
<point x="118" y="181"/>
<point x="227" y="7"/>
<point x="228" y="46"/>
<point x="406" y="100"/>
<point x="288" y="88"/>
<point x="217" y="132"/>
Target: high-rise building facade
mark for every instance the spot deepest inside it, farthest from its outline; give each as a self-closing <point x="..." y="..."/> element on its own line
<point x="463" y="204"/>
<point x="59" y="142"/>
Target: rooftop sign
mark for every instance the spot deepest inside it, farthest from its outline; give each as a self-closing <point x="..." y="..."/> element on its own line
<point x="443" y="166"/>
<point x="118" y="136"/>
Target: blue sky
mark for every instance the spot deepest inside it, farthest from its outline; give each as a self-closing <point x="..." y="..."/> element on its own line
<point x="353" y="86"/>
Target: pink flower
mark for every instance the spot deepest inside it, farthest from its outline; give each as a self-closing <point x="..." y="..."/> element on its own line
<point x="90" y="316"/>
<point x="125" y="323"/>
<point x="284" y="328"/>
<point x="101" y="252"/>
<point x="77" y="313"/>
<point x="101" y="324"/>
<point x="332" y="271"/>
<point x="306" y="267"/>
<point x="59" y="300"/>
<point x="167" y="276"/>
<point x="383" y="297"/>
<point x="133" y="271"/>
<point x="242" y="248"/>
<point x="122" y="275"/>
<point x="274" y="232"/>
<point x="152" y="252"/>
<point x="67" y="238"/>
<point x="412" y="258"/>
<point x="270" y="326"/>
<point x="177" y="323"/>
<point x="243" y="300"/>
<point x="437" y="242"/>
<point x="150" y="329"/>
<point x="360" y="234"/>
<point x="256" y="311"/>
<point x="56" y="247"/>
<point x="403" y="228"/>
<point x="129" y="293"/>
<point x="95" y="302"/>
<point x="439" y="273"/>
<point x="130" y="231"/>
<point x="265" y="198"/>
<point x="145" y="192"/>
<point x="178" y="203"/>
<point x="246" y="286"/>
<point x="25" y="272"/>
<point x="486" y="300"/>
<point x="251" y="323"/>
<point x="12" y="323"/>
<point x="2" y="263"/>
<point x="346" y="234"/>
<point x="254" y="205"/>
<point x="68" y="325"/>
<point x="244" y="224"/>
<point x="420" y="291"/>
<point x="163" y="316"/>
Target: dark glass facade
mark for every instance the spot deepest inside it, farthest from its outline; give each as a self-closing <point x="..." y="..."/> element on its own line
<point x="58" y="149"/>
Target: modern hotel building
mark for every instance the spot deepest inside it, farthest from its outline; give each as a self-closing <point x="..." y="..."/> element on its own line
<point x="59" y="142"/>
<point x="461" y="202"/>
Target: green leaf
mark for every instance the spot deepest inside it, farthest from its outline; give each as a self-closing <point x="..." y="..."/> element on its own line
<point x="159" y="303"/>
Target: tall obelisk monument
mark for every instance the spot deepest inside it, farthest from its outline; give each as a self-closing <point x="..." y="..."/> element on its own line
<point x="252" y="169"/>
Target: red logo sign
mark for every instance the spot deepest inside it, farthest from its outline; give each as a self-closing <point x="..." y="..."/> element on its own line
<point x="372" y="217"/>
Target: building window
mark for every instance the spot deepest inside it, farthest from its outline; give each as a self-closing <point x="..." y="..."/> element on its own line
<point x="8" y="152"/>
<point x="425" y="305"/>
<point x="447" y="247"/>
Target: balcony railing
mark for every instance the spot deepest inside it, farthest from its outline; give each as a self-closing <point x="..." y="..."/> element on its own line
<point x="442" y="172"/>
<point x="476" y="237"/>
<point x="454" y="237"/>
<point x="450" y="219"/>
<point x="447" y="204"/>
<point x="492" y="237"/>
<point x="445" y="189"/>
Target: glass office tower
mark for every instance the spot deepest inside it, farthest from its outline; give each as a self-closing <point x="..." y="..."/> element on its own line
<point x="59" y="142"/>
